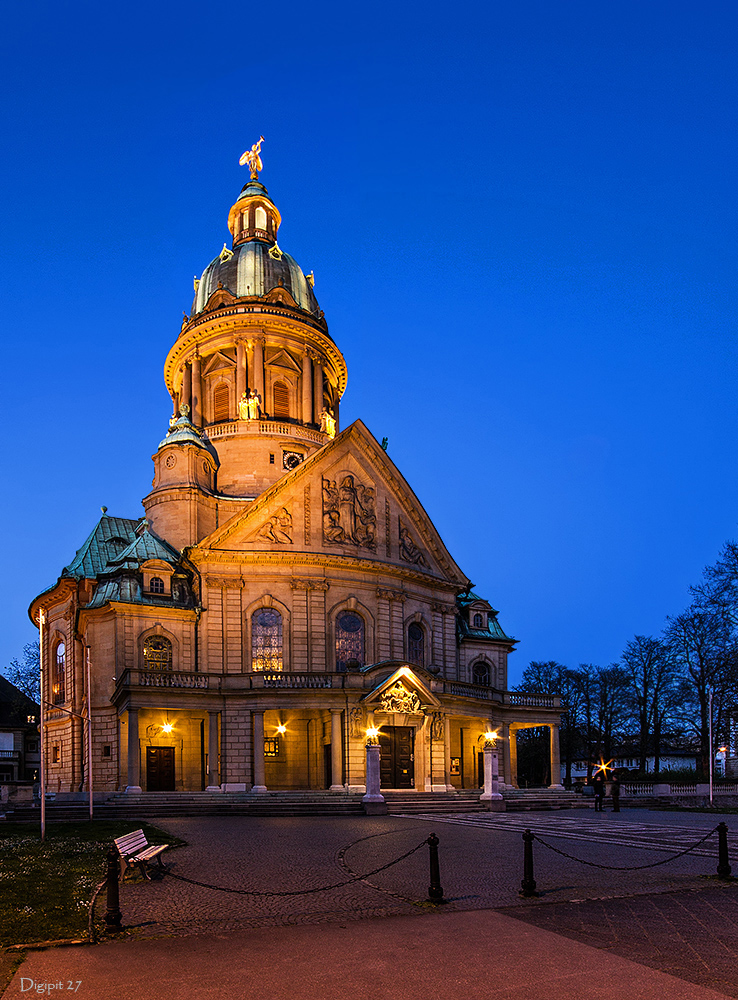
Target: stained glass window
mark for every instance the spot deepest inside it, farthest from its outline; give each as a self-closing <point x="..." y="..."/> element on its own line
<point x="349" y="641"/>
<point x="416" y="644"/>
<point x="266" y="640"/>
<point x="58" y="684"/>
<point x="157" y="653"/>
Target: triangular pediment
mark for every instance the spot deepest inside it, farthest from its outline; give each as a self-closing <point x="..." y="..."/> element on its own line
<point x="347" y="501"/>
<point x="403" y="691"/>
<point x="281" y="359"/>
<point x="217" y="362"/>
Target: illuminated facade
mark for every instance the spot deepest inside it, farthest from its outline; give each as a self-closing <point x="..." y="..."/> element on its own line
<point x="284" y="591"/>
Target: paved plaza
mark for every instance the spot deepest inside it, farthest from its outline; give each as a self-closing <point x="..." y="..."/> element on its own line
<point x="671" y="929"/>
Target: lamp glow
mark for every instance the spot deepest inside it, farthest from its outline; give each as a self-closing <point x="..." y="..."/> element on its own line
<point x="490" y="737"/>
<point x="167" y="727"/>
<point x="372" y="735"/>
<point x="281" y="729"/>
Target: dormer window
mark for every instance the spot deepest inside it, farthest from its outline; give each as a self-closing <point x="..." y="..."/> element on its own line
<point x="157" y="578"/>
<point x="156" y="585"/>
<point x="478" y="621"/>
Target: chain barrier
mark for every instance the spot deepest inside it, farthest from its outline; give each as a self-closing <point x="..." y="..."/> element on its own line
<point x="297" y="892"/>
<point x="633" y="868"/>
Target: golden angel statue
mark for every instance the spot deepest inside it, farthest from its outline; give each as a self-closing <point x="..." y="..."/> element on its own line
<point x="253" y="158"/>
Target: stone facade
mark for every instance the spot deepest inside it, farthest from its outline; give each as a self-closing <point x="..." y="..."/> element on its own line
<point x="285" y="590"/>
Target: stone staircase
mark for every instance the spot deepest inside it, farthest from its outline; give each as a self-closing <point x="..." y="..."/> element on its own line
<point x="408" y="803"/>
<point x="524" y="799"/>
<point x="149" y="805"/>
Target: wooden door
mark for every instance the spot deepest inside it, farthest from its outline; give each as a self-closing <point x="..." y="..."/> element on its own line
<point x="160" y="769"/>
<point x="397" y="762"/>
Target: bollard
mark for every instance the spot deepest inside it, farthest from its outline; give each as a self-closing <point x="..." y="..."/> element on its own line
<point x="113" y="916"/>
<point x="528" y="884"/>
<point x="723" y="868"/>
<point x="435" y="890"/>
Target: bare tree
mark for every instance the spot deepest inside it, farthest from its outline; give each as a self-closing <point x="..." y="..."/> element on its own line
<point x="652" y="669"/>
<point x="24" y="673"/>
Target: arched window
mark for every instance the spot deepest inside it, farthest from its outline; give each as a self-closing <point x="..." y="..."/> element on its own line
<point x="266" y="640"/>
<point x="349" y="641"/>
<point x="245" y="220"/>
<point x="220" y="403"/>
<point x="416" y="644"/>
<point x="281" y="400"/>
<point x="58" y="683"/>
<point x="156" y="585"/>
<point x="480" y="674"/>
<point x="157" y="653"/>
<point x="260" y="218"/>
<point x="478" y="621"/>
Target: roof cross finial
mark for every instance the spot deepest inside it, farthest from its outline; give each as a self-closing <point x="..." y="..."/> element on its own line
<point x="253" y="158"/>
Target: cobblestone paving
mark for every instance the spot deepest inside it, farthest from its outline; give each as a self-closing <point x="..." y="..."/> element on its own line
<point x="481" y="867"/>
<point x="691" y="935"/>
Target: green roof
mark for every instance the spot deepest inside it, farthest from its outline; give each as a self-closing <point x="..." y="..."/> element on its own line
<point x="108" y="539"/>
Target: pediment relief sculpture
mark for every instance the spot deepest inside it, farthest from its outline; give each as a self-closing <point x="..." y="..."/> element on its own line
<point x="409" y="551"/>
<point x="399" y="699"/>
<point x="278" y="528"/>
<point x="349" y="514"/>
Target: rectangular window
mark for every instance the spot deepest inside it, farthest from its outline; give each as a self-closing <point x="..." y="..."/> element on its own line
<point x="271" y="747"/>
<point x="107" y="750"/>
<point x="56" y="754"/>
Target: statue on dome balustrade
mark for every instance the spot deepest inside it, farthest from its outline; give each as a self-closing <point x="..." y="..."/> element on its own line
<point x="328" y="422"/>
<point x="249" y="406"/>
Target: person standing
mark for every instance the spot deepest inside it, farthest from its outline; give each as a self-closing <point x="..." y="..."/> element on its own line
<point x="615" y="792"/>
<point x="598" y="783"/>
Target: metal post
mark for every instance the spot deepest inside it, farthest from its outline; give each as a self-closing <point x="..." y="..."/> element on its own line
<point x="528" y="884"/>
<point x="113" y="916"/>
<point x="89" y="729"/>
<point x="723" y="868"/>
<point x="712" y="756"/>
<point x="435" y="890"/>
<point x="42" y="720"/>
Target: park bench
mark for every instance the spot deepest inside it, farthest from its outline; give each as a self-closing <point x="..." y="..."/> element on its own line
<point x="134" y="849"/>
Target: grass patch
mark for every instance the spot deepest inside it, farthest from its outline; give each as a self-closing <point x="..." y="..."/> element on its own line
<point x="46" y="888"/>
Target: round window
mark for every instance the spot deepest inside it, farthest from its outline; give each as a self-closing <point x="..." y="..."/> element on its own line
<point x="350" y="622"/>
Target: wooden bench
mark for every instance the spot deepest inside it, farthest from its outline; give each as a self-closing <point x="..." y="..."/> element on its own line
<point x="134" y="849"/>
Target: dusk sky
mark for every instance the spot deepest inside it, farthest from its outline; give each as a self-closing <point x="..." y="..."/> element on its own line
<point x="522" y="220"/>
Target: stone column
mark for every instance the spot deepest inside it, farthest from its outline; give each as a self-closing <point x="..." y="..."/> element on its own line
<point x="317" y="391"/>
<point x="185" y="395"/>
<point x="555" y="759"/>
<point x="506" y="773"/>
<point x="513" y="759"/>
<point x="374" y="802"/>
<point x="258" y="370"/>
<point x="197" y="411"/>
<point x="447" y="752"/>
<point x="336" y="751"/>
<point x="241" y="374"/>
<point x="134" y="753"/>
<point x="258" y="748"/>
<point x="213" y="782"/>
<point x="307" y="389"/>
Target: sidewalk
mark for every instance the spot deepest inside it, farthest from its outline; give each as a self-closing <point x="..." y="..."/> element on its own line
<point x="437" y="956"/>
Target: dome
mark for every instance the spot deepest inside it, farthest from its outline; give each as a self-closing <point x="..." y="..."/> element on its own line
<point x="255" y="268"/>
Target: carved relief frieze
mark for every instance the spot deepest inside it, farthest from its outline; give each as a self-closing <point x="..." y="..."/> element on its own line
<point x="409" y="551"/>
<point x="391" y="595"/>
<point x="443" y="609"/>
<point x="306" y="505"/>
<point x="399" y="699"/>
<point x="223" y="581"/>
<point x="309" y="584"/>
<point x="349" y="515"/>
<point x="357" y="723"/>
<point x="278" y="528"/>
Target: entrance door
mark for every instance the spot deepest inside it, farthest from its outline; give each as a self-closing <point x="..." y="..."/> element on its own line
<point x="160" y="769"/>
<point x="397" y="767"/>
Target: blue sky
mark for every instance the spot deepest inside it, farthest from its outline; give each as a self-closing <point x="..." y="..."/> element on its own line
<point x="522" y="222"/>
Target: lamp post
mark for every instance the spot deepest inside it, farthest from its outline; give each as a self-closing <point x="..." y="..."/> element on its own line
<point x="373" y="801"/>
<point x="491" y="791"/>
<point x="709" y="710"/>
<point x="42" y="720"/>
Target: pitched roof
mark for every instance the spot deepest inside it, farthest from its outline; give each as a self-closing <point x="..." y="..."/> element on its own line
<point x="145" y="545"/>
<point x="109" y="537"/>
<point x="15" y="707"/>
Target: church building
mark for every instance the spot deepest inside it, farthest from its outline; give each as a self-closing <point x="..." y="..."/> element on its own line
<point x="284" y="590"/>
